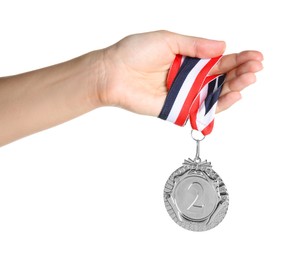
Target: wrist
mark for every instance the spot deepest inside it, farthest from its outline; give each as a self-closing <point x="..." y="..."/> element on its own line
<point x="98" y="78"/>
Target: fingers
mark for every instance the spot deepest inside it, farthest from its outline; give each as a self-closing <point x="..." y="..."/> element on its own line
<point x="252" y="66"/>
<point x="233" y="61"/>
<point x="227" y="101"/>
<point x="240" y="69"/>
<point x="242" y="76"/>
<point x="239" y="83"/>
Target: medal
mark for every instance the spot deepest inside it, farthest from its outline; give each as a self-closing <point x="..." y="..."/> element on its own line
<point x="195" y="196"/>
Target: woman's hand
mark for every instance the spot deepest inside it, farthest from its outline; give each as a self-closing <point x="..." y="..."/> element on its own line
<point x="136" y="69"/>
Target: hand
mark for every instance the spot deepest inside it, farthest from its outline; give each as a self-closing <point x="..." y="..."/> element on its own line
<point x="130" y="74"/>
<point x="137" y="66"/>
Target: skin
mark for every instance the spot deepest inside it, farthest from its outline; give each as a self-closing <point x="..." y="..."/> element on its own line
<point x="130" y="74"/>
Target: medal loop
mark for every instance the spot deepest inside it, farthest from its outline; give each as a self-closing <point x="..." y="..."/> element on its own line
<point x="195" y="137"/>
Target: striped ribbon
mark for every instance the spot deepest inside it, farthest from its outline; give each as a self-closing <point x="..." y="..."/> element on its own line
<point x="192" y="93"/>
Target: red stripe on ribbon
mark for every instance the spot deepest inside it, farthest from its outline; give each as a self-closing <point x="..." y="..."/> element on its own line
<point x="193" y="101"/>
<point x="194" y="91"/>
<point x="196" y="105"/>
<point x="173" y="70"/>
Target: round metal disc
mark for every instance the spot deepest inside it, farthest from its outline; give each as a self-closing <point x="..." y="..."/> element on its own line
<point x="195" y="196"/>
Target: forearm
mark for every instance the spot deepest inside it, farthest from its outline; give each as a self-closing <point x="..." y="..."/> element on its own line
<point x="40" y="99"/>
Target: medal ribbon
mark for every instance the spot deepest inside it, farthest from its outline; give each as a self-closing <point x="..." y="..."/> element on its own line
<point x="192" y="93"/>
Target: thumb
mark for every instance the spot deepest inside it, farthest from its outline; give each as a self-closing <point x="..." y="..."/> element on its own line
<point x="197" y="47"/>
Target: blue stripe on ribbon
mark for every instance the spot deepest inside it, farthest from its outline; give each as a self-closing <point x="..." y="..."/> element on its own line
<point x="186" y="67"/>
<point x="213" y="95"/>
<point x="211" y="87"/>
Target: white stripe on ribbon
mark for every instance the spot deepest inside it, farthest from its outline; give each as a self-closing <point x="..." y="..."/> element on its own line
<point x="203" y="120"/>
<point x="185" y="89"/>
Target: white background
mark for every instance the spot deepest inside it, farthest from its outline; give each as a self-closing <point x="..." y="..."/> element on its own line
<point x="92" y="188"/>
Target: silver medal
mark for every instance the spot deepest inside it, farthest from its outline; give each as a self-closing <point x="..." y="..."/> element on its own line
<point x="195" y="196"/>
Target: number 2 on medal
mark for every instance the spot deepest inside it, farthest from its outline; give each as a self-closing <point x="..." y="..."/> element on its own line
<point x="199" y="191"/>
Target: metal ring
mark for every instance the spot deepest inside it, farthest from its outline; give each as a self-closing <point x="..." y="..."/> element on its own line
<point x="196" y="138"/>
